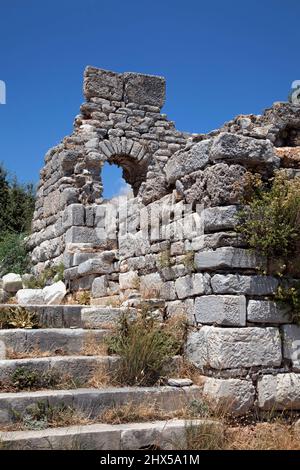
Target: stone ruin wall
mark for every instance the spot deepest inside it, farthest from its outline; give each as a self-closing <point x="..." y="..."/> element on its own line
<point x="160" y="246"/>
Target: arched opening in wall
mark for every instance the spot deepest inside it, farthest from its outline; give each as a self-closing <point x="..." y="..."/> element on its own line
<point x="114" y="184"/>
<point x="121" y="171"/>
<point x="288" y="137"/>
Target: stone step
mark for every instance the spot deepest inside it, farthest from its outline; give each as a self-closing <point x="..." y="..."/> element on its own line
<point x="62" y="341"/>
<point x="53" y="316"/>
<point x="172" y="434"/>
<point x="76" y="316"/>
<point x="94" y="401"/>
<point x="103" y="317"/>
<point x="52" y="371"/>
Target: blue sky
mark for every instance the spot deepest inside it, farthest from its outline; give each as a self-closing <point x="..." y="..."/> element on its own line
<point x="220" y="58"/>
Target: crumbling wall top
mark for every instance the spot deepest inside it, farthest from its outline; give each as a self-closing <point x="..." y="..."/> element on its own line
<point x="128" y="87"/>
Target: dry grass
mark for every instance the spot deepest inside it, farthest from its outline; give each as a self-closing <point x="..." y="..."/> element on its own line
<point x="31" y="353"/>
<point x="132" y="412"/>
<point x="78" y="298"/>
<point x="101" y="378"/>
<point x="262" y="436"/>
<point x="92" y="347"/>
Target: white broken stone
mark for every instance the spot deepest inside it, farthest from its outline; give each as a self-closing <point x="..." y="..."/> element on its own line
<point x="231" y="395"/>
<point x="221" y="310"/>
<point x="12" y="282"/>
<point x="53" y="295"/>
<point x="279" y="392"/>
<point x="30" y="297"/>
<point x="180" y="382"/>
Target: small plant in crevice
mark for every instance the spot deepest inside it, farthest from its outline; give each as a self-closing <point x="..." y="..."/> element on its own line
<point x="290" y="296"/>
<point x="84" y="297"/>
<point x="188" y="261"/>
<point x="47" y="277"/>
<point x="270" y="222"/>
<point x="145" y="346"/>
<point x="18" y="317"/>
<point x="164" y="259"/>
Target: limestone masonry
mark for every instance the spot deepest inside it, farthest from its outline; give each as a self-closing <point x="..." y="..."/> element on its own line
<point x="174" y="241"/>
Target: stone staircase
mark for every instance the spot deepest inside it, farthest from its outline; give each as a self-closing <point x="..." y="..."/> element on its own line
<point x="57" y="363"/>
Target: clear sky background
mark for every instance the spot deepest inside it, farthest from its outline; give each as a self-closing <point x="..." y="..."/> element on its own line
<point x="220" y="59"/>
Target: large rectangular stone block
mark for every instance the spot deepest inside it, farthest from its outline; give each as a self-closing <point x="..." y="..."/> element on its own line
<point x="291" y="345"/>
<point x="221" y="310"/>
<point x="219" y="218"/>
<point x="231" y="348"/>
<point x="247" y="151"/>
<point x="81" y="235"/>
<point x="192" y="284"/>
<point x="279" y="392"/>
<point x="239" y="284"/>
<point x="144" y="89"/>
<point x="267" y="311"/>
<point x="231" y="395"/>
<point x="226" y="257"/>
<point x="102" y="84"/>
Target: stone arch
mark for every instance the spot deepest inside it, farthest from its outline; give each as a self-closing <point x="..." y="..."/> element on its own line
<point x="130" y="155"/>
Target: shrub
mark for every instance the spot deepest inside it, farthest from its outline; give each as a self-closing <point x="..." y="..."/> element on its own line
<point x="13" y="254"/>
<point x="145" y="346"/>
<point x="18" y="317"/>
<point x="271" y="221"/>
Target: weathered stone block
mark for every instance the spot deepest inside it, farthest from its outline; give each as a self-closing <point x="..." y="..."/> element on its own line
<point x="279" y="392"/>
<point x="101" y="265"/>
<point x="100" y="286"/>
<point x="167" y="291"/>
<point x="226" y="257"/>
<point x="221" y="310"/>
<point x="144" y="89"/>
<point x="74" y="215"/>
<point x="239" y="284"/>
<point x="230" y="348"/>
<point x="266" y="311"/>
<point x="192" y="284"/>
<point x="219" y="218"/>
<point x="12" y="282"/>
<point x="30" y="297"/>
<point x="54" y="294"/>
<point x="291" y="345"/>
<point x="150" y="285"/>
<point x="102" y="84"/>
<point x="231" y="395"/>
<point x="244" y="150"/>
<point x="81" y="235"/>
<point x="184" y="162"/>
<point x="129" y="280"/>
